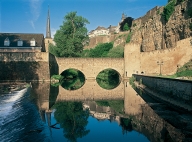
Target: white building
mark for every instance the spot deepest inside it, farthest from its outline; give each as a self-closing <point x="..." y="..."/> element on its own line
<point x="99" y="31"/>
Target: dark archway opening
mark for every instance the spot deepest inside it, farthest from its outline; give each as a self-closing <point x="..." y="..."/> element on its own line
<point x="108" y="79"/>
<point x="72" y="79"/>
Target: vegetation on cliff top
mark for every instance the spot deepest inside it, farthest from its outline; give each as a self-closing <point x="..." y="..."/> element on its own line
<point x="168" y="10"/>
<point x="126" y="27"/>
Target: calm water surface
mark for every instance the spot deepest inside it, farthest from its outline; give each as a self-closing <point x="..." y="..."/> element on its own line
<point x="42" y="113"/>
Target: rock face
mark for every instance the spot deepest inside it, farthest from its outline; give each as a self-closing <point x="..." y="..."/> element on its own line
<point x="153" y="33"/>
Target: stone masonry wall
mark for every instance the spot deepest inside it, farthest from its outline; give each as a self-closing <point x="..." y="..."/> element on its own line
<point x="91" y="67"/>
<point x="173" y="88"/>
<point x="137" y="62"/>
<point x="24" y="66"/>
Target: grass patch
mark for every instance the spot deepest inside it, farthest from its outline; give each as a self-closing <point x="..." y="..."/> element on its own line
<point x="184" y="71"/>
<point x="129" y="37"/>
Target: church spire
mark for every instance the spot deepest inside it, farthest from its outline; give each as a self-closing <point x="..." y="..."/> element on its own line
<point x="48" y="31"/>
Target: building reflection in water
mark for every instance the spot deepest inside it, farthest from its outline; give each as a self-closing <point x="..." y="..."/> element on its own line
<point x="141" y="113"/>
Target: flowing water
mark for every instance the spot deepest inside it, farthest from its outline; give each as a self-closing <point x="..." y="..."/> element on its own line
<point x="38" y="114"/>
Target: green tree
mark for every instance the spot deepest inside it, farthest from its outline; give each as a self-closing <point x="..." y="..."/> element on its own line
<point x="71" y="37"/>
<point x="72" y="117"/>
<point x="125" y="27"/>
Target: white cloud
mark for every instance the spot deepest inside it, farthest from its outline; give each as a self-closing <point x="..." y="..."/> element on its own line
<point x="35" y="10"/>
<point x="32" y="24"/>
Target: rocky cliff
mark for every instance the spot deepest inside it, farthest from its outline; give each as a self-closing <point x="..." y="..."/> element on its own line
<point x="152" y="32"/>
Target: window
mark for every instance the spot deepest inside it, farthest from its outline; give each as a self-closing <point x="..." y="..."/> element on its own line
<point x="32" y="42"/>
<point x="6" y="42"/>
<point x="19" y="42"/>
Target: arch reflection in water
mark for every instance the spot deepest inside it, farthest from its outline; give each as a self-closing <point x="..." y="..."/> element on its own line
<point x="108" y="79"/>
<point x="72" y="79"/>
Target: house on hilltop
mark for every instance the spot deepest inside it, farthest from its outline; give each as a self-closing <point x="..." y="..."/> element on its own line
<point x="111" y="29"/>
<point x="99" y="31"/>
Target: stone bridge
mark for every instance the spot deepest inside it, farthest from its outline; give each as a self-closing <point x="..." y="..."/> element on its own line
<point x="91" y="67"/>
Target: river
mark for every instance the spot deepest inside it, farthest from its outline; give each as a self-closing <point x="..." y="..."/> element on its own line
<point x="36" y="113"/>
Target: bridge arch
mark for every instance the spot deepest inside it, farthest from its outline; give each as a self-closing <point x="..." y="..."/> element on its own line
<point x="91" y="67"/>
<point x="73" y="79"/>
<point x="108" y="79"/>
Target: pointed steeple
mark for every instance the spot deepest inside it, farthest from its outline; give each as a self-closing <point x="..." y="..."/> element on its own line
<point x="48" y="30"/>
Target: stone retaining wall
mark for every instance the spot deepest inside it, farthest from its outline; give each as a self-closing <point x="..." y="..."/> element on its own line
<point x="172" y="88"/>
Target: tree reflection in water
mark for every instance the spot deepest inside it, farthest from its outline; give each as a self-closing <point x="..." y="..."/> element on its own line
<point x="72" y="118"/>
<point x="72" y="79"/>
<point x="108" y="79"/>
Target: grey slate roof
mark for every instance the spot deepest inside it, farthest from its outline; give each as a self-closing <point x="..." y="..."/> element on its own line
<point x="25" y="37"/>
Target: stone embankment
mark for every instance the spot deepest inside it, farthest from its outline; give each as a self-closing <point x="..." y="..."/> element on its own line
<point x="170" y="91"/>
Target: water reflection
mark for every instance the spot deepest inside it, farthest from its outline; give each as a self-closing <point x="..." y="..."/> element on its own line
<point x="132" y="116"/>
<point x="72" y="118"/>
<point x="108" y="79"/>
<point x="72" y="79"/>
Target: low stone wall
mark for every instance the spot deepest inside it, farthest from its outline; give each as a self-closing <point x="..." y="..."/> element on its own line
<point x="171" y="89"/>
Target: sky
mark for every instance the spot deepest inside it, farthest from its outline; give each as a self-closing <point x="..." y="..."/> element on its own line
<point x="30" y="16"/>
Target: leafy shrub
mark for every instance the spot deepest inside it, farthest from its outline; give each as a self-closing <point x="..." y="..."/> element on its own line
<point x="168" y="10"/>
<point x="126" y="27"/>
<point x="101" y="50"/>
<point x="184" y="73"/>
<point x="116" y="52"/>
<point x="56" y="77"/>
<point x="185" y="70"/>
<point x="132" y="80"/>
